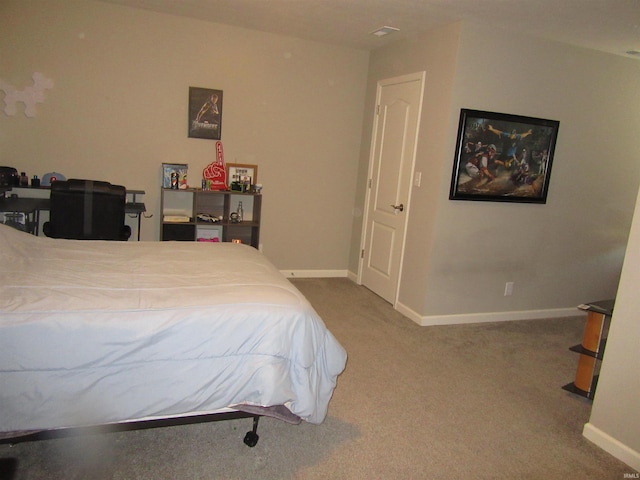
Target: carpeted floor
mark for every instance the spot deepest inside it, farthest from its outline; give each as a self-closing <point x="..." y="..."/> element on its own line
<point x="477" y="401"/>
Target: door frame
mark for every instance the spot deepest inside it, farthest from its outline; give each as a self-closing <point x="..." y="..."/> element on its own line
<point x="420" y="76"/>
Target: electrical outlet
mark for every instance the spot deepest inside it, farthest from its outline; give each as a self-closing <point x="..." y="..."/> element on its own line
<point x="508" y="289"/>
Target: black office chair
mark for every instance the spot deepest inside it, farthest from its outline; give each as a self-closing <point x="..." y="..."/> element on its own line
<point x="87" y="210"/>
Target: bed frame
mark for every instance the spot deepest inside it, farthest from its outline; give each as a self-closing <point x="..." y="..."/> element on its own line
<point x="250" y="439"/>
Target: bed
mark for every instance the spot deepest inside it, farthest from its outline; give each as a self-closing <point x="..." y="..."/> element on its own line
<point x="97" y="332"/>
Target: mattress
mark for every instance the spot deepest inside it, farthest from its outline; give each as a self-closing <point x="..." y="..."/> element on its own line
<point x="95" y="332"/>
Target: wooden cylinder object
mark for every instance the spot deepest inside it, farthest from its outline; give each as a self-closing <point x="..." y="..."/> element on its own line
<point x="584" y="374"/>
<point x="593" y="331"/>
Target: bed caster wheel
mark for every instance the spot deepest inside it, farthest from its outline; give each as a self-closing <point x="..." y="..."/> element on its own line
<point x="251" y="439"/>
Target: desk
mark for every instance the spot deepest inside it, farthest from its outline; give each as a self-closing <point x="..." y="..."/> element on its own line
<point x="135" y="209"/>
<point x="32" y="207"/>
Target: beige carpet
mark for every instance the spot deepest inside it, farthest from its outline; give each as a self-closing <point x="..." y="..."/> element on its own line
<point x="477" y="401"/>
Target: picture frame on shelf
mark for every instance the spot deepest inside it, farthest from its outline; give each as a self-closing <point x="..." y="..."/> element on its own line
<point x="181" y="169"/>
<point x="205" y="113"/>
<point x="502" y="157"/>
<point x="241" y="177"/>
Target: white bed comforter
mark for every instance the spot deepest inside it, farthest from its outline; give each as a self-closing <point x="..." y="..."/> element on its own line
<point x="95" y="332"/>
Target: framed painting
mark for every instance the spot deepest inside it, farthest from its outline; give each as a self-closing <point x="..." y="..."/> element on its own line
<point x="205" y="113"/>
<point x="503" y="158"/>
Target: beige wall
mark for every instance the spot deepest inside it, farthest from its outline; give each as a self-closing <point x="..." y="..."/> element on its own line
<point x="460" y="254"/>
<point x="119" y="109"/>
<point x="571" y="249"/>
<point x="615" y="423"/>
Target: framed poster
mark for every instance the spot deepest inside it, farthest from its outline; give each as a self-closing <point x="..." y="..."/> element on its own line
<point x="180" y="169"/>
<point x="503" y="158"/>
<point x="205" y="113"/>
<point x="241" y="176"/>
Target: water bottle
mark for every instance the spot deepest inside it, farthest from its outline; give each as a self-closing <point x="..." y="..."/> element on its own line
<point x="240" y="212"/>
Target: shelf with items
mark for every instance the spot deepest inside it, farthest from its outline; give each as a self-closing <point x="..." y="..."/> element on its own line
<point x="591" y="349"/>
<point x="194" y="214"/>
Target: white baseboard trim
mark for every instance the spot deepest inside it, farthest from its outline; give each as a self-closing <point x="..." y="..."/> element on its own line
<point x="611" y="445"/>
<point x="430" y="320"/>
<point x="314" y="273"/>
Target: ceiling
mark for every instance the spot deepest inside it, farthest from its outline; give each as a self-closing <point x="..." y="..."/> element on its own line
<point x="611" y="26"/>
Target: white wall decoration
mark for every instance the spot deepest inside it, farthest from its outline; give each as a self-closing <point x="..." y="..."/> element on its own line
<point x="30" y="96"/>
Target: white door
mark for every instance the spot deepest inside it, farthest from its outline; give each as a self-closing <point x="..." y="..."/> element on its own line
<point x="391" y="164"/>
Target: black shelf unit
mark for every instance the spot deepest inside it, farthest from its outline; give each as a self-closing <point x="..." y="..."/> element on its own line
<point x="216" y="203"/>
<point x="591" y="350"/>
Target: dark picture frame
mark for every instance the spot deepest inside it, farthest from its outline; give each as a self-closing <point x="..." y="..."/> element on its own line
<point x="503" y="158"/>
<point x="205" y="113"/>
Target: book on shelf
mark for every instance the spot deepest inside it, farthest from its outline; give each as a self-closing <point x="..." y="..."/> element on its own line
<point x="176" y="219"/>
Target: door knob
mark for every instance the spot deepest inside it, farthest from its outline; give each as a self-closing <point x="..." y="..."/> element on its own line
<point x="398" y="207"/>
